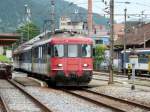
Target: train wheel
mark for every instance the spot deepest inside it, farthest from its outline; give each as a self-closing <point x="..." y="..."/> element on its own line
<point x="50" y="82"/>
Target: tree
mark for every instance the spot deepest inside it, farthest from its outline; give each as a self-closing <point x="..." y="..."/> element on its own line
<point x="99" y="55"/>
<point x="28" y="31"/>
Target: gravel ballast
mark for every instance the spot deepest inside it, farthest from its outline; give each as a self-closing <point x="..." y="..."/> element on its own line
<point x="62" y="102"/>
<point x="16" y="101"/>
<point x="124" y="93"/>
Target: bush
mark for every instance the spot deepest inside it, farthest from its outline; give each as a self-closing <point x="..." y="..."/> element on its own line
<point x="99" y="55"/>
<point x="4" y="59"/>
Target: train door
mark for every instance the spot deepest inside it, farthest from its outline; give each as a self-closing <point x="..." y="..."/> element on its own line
<point x="44" y="59"/>
<point x="149" y="64"/>
<point x="35" y="54"/>
<point x="40" y="64"/>
<point x="49" y="50"/>
<point x="72" y="61"/>
<point x="32" y="65"/>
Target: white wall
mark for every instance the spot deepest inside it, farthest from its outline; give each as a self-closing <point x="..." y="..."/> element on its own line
<point x="9" y="53"/>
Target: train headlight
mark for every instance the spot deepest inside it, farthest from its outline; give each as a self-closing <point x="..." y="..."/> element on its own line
<point x="59" y="65"/>
<point x="85" y="65"/>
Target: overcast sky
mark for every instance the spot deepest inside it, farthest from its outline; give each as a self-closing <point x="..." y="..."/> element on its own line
<point x="135" y="7"/>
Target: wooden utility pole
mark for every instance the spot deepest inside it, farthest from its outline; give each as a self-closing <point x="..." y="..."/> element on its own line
<point x="111" y="41"/>
<point x="90" y="18"/>
<point x="125" y="31"/>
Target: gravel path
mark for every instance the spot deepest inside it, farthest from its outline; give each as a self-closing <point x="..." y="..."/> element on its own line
<point x="62" y="102"/>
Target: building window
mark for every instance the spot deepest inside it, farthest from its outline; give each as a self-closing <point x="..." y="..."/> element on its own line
<point x="98" y="41"/>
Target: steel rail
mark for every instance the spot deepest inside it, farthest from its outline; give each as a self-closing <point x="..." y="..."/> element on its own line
<point x="94" y="101"/>
<point x="140" y="77"/>
<point x="36" y="101"/>
<point x="120" y="82"/>
<point x="4" y="104"/>
<point x="144" y="106"/>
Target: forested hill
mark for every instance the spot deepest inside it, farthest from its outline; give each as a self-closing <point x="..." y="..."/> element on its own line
<point x="12" y="12"/>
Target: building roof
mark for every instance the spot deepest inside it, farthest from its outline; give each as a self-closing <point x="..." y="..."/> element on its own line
<point x="119" y="28"/>
<point x="136" y="37"/>
<point x="8" y="38"/>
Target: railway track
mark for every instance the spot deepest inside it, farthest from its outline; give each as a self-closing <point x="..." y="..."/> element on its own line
<point x="3" y="105"/>
<point x="113" y="103"/>
<point x="35" y="101"/>
<point x="106" y="80"/>
<point x="122" y="76"/>
<point x="121" y="82"/>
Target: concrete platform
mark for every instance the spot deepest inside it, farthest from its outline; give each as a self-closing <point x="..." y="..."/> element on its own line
<point x="28" y="81"/>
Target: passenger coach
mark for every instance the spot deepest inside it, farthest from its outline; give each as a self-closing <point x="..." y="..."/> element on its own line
<point x="65" y="58"/>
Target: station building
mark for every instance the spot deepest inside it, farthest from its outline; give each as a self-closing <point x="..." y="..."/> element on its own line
<point x="7" y="39"/>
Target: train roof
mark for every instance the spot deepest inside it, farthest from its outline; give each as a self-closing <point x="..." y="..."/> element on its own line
<point x="64" y="37"/>
<point x="81" y="40"/>
<point x="58" y="37"/>
<point x="138" y="50"/>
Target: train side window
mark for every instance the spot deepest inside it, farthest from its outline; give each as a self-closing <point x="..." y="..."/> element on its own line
<point x="58" y="50"/>
<point x="86" y="50"/>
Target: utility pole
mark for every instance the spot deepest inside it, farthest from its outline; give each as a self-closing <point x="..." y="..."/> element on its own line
<point x="52" y="16"/>
<point x="125" y="39"/>
<point x="144" y="40"/>
<point x="90" y="18"/>
<point x="143" y="33"/>
<point x="111" y="41"/>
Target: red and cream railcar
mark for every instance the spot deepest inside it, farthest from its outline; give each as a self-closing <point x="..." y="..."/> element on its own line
<point x="64" y="58"/>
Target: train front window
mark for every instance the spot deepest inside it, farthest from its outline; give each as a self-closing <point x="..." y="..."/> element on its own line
<point x="72" y="50"/>
<point x="86" y="50"/>
<point x="58" y="51"/>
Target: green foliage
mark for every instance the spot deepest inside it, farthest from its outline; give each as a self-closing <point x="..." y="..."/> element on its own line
<point x="99" y="55"/>
<point x="28" y="31"/>
<point x="4" y="59"/>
